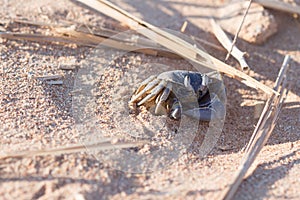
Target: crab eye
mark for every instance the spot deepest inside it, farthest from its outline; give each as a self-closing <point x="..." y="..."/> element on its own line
<point x="187" y="83"/>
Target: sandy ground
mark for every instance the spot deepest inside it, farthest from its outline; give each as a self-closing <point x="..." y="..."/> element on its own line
<point x="35" y="114"/>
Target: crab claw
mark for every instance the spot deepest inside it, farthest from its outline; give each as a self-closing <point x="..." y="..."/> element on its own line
<point x="214" y="111"/>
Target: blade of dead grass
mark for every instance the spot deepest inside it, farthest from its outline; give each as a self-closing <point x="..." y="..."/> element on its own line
<point x="262" y="131"/>
<point x="107" y="33"/>
<point x="239" y="30"/>
<point x="36" y="37"/>
<point x="227" y="44"/>
<point x="280" y="80"/>
<point x="279" y="5"/>
<point x="100" y="146"/>
<point x="65" y="33"/>
<point x="85" y="39"/>
<point x="172" y="42"/>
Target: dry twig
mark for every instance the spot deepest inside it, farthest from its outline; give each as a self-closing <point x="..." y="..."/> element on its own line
<point x="227" y="44"/>
<point x="183" y="27"/>
<point x="262" y="131"/>
<point x="239" y="29"/>
<point x="100" y="146"/>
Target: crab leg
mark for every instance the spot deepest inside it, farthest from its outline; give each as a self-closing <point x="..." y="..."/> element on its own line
<point x="155" y="91"/>
<point x="159" y="109"/>
<point x="148" y="87"/>
<point x="144" y="83"/>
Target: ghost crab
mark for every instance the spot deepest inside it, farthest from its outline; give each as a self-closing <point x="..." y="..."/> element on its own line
<point x="179" y="92"/>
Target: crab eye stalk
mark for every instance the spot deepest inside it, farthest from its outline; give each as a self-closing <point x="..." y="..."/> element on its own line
<point x="187" y="83"/>
<point x="202" y="90"/>
<point x="205" y="80"/>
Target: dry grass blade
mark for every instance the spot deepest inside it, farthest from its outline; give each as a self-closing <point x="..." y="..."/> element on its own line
<point x="140" y="45"/>
<point x="35" y="23"/>
<point x="268" y="106"/>
<point x="263" y="130"/>
<point x="227" y="44"/>
<point x="84" y="39"/>
<point x="102" y="32"/>
<point x="279" y="5"/>
<point x="172" y="42"/>
<point x="100" y="146"/>
<point x="239" y="30"/>
<point x="68" y="29"/>
<point x="36" y="37"/>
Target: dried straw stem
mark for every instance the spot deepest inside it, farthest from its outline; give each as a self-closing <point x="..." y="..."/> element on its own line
<point x="227" y="43"/>
<point x="262" y="131"/>
<point x="100" y="146"/>
<point x="64" y="35"/>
